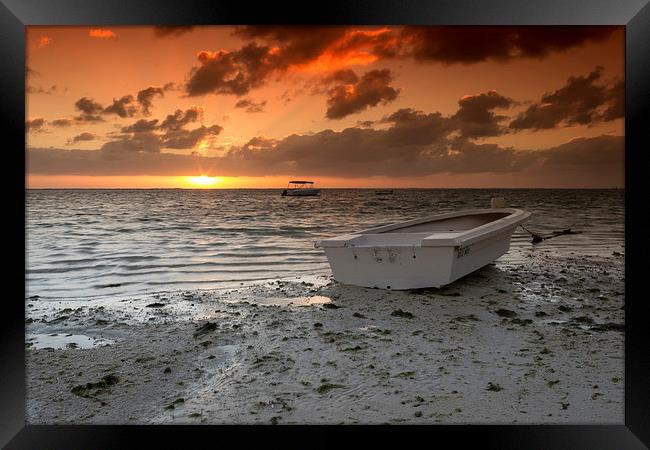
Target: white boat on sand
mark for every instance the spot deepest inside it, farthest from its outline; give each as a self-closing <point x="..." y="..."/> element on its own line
<point x="300" y="189"/>
<point x="428" y="252"/>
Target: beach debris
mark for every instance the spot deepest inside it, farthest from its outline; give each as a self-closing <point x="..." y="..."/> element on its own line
<point x="400" y="313"/>
<point x="318" y="325"/>
<point x="358" y="315"/>
<point x="494" y="387"/>
<point x="552" y="383"/>
<point x="565" y="308"/>
<point x="326" y="387"/>
<point x="204" y="329"/>
<point x="537" y="238"/>
<point x="417" y="413"/>
<point x="155" y="305"/>
<point x="505" y="313"/>
<point x="194" y="414"/>
<point x="167" y="370"/>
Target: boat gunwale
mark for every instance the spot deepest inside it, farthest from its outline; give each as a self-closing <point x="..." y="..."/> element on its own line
<point x="437" y="239"/>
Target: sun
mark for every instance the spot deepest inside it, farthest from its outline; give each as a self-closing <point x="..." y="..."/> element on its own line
<point x="204" y="181"/>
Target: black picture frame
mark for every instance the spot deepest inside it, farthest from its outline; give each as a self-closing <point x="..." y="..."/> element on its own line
<point x="633" y="14"/>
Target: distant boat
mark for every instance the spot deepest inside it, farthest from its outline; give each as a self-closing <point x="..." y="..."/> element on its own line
<point x="428" y="252"/>
<point x="300" y="189"/>
<point x="383" y="191"/>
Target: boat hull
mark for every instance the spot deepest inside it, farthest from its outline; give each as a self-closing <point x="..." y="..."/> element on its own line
<point x="301" y="192"/>
<point x="401" y="268"/>
<point x="422" y="253"/>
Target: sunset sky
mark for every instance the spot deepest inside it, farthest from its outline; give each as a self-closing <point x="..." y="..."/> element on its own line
<point x="231" y="107"/>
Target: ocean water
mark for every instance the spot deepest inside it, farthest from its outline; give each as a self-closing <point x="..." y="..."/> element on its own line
<point x="93" y="243"/>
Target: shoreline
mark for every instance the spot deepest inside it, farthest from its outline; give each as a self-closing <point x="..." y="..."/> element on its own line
<point x="537" y="341"/>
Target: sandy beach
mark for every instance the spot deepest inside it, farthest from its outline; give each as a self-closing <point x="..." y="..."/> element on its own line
<point x="536" y="342"/>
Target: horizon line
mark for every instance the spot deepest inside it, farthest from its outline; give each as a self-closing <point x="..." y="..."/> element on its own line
<point x="322" y="188"/>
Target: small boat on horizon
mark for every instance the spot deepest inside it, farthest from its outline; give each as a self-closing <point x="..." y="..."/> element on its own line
<point x="422" y="253"/>
<point x="383" y="191"/>
<point x="300" y="189"/>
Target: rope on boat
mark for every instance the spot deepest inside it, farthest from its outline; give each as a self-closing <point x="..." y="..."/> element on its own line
<point x="537" y="238"/>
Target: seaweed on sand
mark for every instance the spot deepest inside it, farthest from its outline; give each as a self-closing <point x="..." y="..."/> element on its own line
<point x="92" y="390"/>
<point x="204" y="329"/>
<point x="326" y="387"/>
<point x="494" y="387"/>
<point x="400" y="313"/>
<point x="505" y="313"/>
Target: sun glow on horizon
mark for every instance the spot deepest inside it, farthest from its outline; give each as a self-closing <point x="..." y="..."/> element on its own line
<point x="204" y="181"/>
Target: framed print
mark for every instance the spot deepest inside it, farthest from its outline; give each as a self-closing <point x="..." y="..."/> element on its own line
<point x="367" y="215"/>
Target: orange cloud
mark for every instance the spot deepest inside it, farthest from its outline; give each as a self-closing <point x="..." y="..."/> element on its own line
<point x="102" y="34"/>
<point x="354" y="48"/>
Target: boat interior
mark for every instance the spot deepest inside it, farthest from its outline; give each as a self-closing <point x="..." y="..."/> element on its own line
<point x="413" y="234"/>
<point x="451" y="224"/>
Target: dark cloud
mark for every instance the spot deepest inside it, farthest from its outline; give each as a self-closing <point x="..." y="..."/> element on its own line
<point x="616" y="102"/>
<point x="470" y="44"/>
<point x="370" y="90"/>
<point x="146" y="142"/>
<point x="294" y="44"/>
<point x="582" y="101"/>
<point x="86" y="136"/>
<point x="150" y="136"/>
<point x="239" y="71"/>
<point x="416" y="128"/>
<point x="49" y="91"/>
<point x="605" y="151"/>
<point x="171" y="31"/>
<point x="145" y="97"/>
<point x="36" y="124"/>
<point x="251" y="106"/>
<point x="475" y="116"/>
<point x="274" y="49"/>
<point x="141" y="126"/>
<point x="123" y="107"/>
<point x="185" y="139"/>
<point x="181" y="118"/>
<point x="350" y="153"/>
<point x="90" y="110"/>
<point x="63" y="122"/>
<point x="233" y="73"/>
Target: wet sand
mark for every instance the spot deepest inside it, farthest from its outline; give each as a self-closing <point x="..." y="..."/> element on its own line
<point x="540" y="341"/>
